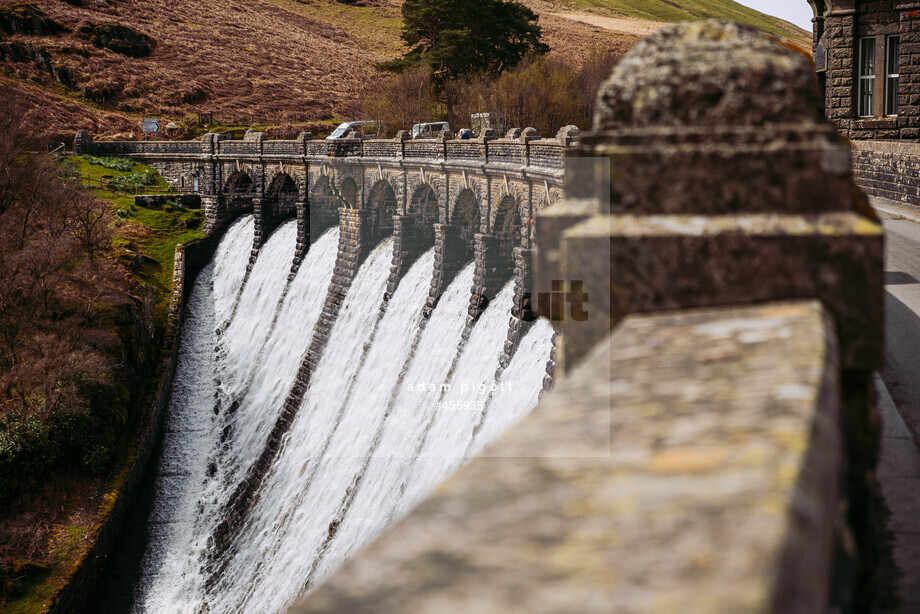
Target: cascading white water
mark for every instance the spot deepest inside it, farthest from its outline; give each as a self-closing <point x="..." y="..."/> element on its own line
<point x="390" y="411"/>
<point x="461" y="407"/>
<point x="305" y="491"/>
<point x="411" y="412"/>
<point x="230" y="261"/>
<point x="191" y="426"/>
<point x="520" y="386"/>
<point x="172" y="579"/>
<point x="304" y="444"/>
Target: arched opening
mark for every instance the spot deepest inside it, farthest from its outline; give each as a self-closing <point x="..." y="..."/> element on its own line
<point x="280" y="200"/>
<point x="424" y="207"/>
<point x="350" y="193"/>
<point x="466" y="216"/>
<point x="507" y="226"/>
<point x="238" y="194"/>
<point x="323" y="205"/>
<point x="382" y="202"/>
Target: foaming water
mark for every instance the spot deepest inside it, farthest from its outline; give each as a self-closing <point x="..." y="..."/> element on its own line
<point x="392" y="408"/>
<point x="404" y="431"/>
<point x="308" y="488"/>
<point x="462" y="405"/>
<point x="234" y="248"/>
<point x="192" y="480"/>
<point x="519" y="388"/>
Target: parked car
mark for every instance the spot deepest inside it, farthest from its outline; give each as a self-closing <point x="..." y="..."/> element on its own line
<point x="367" y="129"/>
<point x="428" y="130"/>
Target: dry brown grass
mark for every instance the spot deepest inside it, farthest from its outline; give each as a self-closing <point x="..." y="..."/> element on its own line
<point x="263" y="62"/>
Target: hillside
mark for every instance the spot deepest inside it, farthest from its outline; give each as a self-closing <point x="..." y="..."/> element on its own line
<point x="671" y="11"/>
<point x="281" y="65"/>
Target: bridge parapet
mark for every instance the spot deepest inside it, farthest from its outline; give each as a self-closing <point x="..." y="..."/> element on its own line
<point x="521" y="171"/>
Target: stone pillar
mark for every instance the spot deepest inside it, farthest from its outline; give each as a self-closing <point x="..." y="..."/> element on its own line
<point x="450" y="255"/>
<point x="522" y="314"/>
<point x="259" y="234"/>
<point x="742" y="201"/>
<point x="492" y="271"/>
<point x="840" y="41"/>
<point x="304" y="237"/>
<point x="214" y="209"/>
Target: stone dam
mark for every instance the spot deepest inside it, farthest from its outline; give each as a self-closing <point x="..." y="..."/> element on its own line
<point x="368" y="325"/>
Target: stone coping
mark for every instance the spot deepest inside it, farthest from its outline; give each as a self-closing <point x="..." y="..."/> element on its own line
<point x="701" y="477"/>
<point x="890" y="147"/>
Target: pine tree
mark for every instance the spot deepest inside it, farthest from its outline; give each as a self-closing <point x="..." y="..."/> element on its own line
<point x="458" y="38"/>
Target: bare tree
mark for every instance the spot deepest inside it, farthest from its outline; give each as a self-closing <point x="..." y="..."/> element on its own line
<point x="90" y="223"/>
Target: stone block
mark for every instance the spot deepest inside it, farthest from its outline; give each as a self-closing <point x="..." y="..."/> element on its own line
<point x="663" y="262"/>
<point x="551" y="223"/>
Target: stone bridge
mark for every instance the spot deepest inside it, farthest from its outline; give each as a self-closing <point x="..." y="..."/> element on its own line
<point x="472" y="200"/>
<point x="493" y="186"/>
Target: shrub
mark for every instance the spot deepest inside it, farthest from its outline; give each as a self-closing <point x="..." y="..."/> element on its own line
<point x="133" y="180"/>
<point x="26" y="453"/>
<point x="84" y="439"/>
<point x="118" y="164"/>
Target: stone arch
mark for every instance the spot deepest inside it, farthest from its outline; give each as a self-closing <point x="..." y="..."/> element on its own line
<point x="349" y="193"/>
<point x="382" y="202"/>
<point x="506" y="225"/>
<point x="547" y="199"/>
<point x="238" y="194"/>
<point x="817" y="7"/>
<point x="281" y="197"/>
<point x="466" y="215"/>
<point x="323" y="203"/>
<point x="424" y="207"/>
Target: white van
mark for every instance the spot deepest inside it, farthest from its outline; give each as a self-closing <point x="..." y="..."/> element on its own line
<point x="368" y="130"/>
<point x="429" y="130"/>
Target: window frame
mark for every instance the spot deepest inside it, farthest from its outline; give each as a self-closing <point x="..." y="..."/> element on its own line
<point x="892" y="76"/>
<point x="865" y="90"/>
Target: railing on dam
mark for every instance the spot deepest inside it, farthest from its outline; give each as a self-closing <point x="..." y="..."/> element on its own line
<point x="712" y="443"/>
<point x="526" y="150"/>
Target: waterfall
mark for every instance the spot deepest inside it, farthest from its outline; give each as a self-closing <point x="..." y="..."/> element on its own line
<point x="392" y="408"/>
<point x="520" y="386"/>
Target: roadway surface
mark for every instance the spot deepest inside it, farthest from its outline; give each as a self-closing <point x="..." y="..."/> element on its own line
<point x="901" y="372"/>
<point x="899" y="467"/>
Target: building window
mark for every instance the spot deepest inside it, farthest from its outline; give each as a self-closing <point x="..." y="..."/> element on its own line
<point x="866" y="77"/>
<point x="195" y="184"/>
<point x="892" y="72"/>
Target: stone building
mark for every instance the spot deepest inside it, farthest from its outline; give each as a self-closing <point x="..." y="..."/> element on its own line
<point x="867" y="58"/>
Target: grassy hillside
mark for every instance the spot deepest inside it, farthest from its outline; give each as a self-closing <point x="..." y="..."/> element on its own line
<point x="685" y="10"/>
<point x="284" y="65"/>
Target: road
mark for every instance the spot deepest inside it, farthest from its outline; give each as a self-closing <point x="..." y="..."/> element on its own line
<point x="899" y="466"/>
<point x="901" y="372"/>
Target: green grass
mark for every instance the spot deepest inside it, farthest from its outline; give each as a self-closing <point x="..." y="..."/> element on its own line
<point x="658" y="10"/>
<point x="36" y="593"/>
<point x="162" y="229"/>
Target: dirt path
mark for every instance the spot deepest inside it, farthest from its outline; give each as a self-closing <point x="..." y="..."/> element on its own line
<point x="622" y="25"/>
